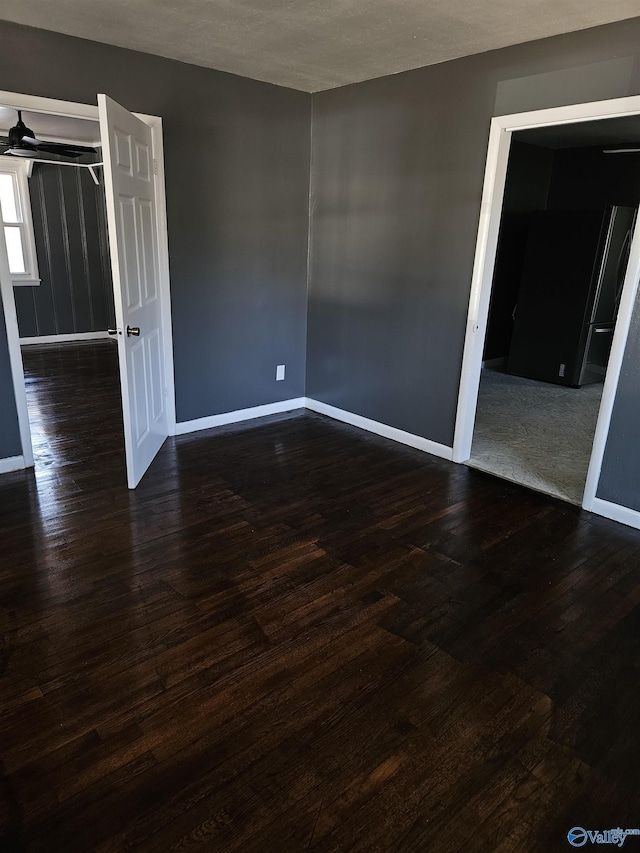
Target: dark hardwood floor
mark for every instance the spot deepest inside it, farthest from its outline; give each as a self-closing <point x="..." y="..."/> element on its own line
<point x="294" y="636"/>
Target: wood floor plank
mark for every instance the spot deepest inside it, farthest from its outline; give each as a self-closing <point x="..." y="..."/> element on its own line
<point x="296" y="636"/>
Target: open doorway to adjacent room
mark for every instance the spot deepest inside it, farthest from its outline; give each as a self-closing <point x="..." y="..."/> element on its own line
<point x="57" y="288"/>
<point x="556" y="272"/>
<point x="570" y="203"/>
<point x="54" y="217"/>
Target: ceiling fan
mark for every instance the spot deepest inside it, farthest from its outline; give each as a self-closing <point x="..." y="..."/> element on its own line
<point x="23" y="143"/>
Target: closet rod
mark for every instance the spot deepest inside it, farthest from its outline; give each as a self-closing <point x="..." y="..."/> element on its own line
<point x="89" y="166"/>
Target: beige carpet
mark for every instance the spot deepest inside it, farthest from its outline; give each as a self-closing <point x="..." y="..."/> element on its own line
<point x="535" y="433"/>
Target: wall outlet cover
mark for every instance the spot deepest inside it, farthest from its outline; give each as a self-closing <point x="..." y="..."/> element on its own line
<point x="279" y="372"/>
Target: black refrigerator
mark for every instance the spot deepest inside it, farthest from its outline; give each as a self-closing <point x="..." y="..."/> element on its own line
<point x="572" y="276"/>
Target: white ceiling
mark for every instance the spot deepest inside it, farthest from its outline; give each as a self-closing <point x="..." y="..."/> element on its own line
<point x="315" y="44"/>
<point x="52" y="128"/>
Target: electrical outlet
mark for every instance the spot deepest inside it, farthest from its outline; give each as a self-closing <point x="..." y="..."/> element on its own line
<point x="279" y="372"/>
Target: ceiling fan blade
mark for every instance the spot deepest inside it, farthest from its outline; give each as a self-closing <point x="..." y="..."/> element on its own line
<point x="31" y="153"/>
<point x="59" y="147"/>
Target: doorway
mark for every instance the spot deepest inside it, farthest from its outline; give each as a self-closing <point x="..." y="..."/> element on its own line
<point x="570" y="203"/>
<point x="565" y="120"/>
<point x="136" y="156"/>
<point x="63" y="290"/>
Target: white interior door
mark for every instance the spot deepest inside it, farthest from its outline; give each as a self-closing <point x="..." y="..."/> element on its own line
<point x="131" y="218"/>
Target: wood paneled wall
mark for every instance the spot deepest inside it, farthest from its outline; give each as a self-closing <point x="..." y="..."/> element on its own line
<point x="69" y="218"/>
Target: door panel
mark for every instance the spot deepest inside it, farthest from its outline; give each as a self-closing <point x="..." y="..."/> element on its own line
<point x="131" y="215"/>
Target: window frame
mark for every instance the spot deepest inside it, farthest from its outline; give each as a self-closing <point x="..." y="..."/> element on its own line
<point x="20" y="170"/>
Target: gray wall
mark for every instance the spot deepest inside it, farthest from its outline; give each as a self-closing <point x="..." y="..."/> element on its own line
<point x="10" y="444"/>
<point x="396" y="181"/>
<point x="75" y="293"/>
<point x="237" y="169"/>
<point x="397" y="174"/>
<point x="620" y="478"/>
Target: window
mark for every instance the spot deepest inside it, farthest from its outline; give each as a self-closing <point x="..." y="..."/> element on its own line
<point x="15" y="211"/>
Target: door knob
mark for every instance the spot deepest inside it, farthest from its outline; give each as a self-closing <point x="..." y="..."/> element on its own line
<point x="112" y="331"/>
<point x="133" y="330"/>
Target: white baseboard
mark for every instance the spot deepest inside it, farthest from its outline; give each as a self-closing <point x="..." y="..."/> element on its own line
<point x="61" y="339"/>
<point x="616" y="512"/>
<point x="367" y="424"/>
<point x="385" y="431"/>
<point x="12" y="463"/>
<point x="239" y="415"/>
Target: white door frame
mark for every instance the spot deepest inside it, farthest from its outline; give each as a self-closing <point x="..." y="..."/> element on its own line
<point x="15" y="359"/>
<point x="70" y="109"/>
<point x="502" y="128"/>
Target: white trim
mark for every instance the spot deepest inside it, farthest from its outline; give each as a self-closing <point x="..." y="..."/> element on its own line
<point x="616" y="512"/>
<point x="12" y="463"/>
<point x="593" y="110"/>
<point x="481" y="282"/>
<point x="61" y="339"/>
<point x="612" y="376"/>
<point x="72" y="109"/>
<point x="402" y="437"/>
<point x="91" y="166"/>
<point x="15" y="358"/>
<point x="490" y="214"/>
<point x="51" y="106"/>
<point x="399" y="435"/>
<point x="239" y="415"/>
